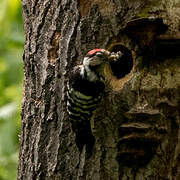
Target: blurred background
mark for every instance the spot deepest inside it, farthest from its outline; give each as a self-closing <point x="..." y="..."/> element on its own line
<point x="11" y="82"/>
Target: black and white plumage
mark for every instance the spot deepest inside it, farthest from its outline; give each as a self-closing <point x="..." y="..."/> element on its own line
<point x="86" y="85"/>
<point x="85" y="89"/>
<point x="80" y="106"/>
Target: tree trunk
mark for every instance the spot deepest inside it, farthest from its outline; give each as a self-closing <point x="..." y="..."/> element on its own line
<point x="136" y="123"/>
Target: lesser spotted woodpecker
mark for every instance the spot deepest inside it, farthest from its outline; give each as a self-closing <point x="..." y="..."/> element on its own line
<point x="85" y="89"/>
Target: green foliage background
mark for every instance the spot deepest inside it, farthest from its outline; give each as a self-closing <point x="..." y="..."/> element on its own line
<point x="11" y="80"/>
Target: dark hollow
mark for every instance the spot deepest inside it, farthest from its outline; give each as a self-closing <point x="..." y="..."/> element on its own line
<point x="124" y="65"/>
<point x="167" y="47"/>
<point x="136" y="153"/>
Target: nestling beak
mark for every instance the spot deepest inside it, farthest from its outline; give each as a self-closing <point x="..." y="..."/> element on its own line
<point x="115" y="56"/>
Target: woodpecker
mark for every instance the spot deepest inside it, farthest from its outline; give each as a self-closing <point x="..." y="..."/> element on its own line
<point x="85" y="89"/>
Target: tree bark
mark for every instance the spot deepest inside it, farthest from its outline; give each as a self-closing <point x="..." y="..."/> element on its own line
<point x="58" y="35"/>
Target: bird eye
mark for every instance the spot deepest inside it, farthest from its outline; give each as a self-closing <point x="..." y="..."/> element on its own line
<point x="122" y="66"/>
<point x="99" y="54"/>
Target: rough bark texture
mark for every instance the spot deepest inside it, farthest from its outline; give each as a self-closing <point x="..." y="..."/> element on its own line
<point x="58" y="35"/>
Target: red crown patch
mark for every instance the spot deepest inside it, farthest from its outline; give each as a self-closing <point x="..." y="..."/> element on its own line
<point x="94" y="51"/>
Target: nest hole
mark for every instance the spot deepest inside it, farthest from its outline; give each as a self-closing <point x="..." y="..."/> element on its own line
<point x="124" y="64"/>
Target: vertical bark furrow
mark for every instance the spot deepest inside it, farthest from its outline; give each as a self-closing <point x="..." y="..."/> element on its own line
<point x="35" y="7"/>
